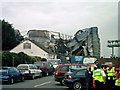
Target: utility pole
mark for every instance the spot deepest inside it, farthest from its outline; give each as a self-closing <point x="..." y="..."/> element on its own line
<point x="13" y="61"/>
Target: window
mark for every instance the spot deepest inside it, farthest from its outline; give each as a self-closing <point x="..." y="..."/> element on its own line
<point x="15" y="70"/>
<point x="64" y="68"/>
<point x="3" y="70"/>
<point x="31" y="67"/>
<point x="27" y="46"/>
<point x="39" y="64"/>
<point x="74" y="66"/>
<point x="81" y="72"/>
<point x="22" y="67"/>
<point x="11" y="70"/>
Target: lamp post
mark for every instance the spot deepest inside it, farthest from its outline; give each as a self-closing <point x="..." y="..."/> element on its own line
<point x="13" y="61"/>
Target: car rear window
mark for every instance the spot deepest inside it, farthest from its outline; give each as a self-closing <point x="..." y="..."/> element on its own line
<point x="64" y="68"/>
<point x="3" y="70"/>
<point x="39" y="64"/>
<point x="22" y="67"/>
<point x="81" y="73"/>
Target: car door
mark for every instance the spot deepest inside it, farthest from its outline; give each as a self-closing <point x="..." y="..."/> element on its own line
<point x="12" y="73"/>
<point x="80" y="75"/>
<point x="37" y="73"/>
<point x="51" y="67"/>
<point x="17" y="73"/>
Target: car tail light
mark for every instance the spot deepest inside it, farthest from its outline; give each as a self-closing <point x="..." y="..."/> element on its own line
<point x="69" y="77"/>
<point x="56" y="73"/>
<point x="6" y="75"/>
<point x="65" y="77"/>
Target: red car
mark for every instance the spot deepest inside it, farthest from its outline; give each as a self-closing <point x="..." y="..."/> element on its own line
<point x="64" y="68"/>
<point x="46" y="67"/>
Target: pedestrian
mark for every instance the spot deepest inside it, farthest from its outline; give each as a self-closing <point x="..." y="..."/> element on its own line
<point x="99" y="77"/>
<point x="111" y="74"/>
<point x="89" y="79"/>
<point x="117" y="82"/>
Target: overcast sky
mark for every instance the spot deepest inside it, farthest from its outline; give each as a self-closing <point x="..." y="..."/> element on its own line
<point x="65" y="17"/>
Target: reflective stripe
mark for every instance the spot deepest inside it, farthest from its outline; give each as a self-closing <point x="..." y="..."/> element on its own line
<point x="98" y="75"/>
<point x="111" y="72"/>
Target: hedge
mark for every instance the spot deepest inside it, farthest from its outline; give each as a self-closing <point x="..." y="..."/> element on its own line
<point x="20" y="58"/>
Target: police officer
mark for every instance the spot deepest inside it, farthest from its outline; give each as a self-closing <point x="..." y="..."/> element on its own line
<point x="96" y="63"/>
<point x="89" y="78"/>
<point x="111" y="74"/>
<point x="99" y="77"/>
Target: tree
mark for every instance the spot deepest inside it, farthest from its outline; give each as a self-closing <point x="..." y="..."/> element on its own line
<point x="9" y="39"/>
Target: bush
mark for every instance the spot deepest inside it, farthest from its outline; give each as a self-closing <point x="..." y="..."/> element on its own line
<point x="20" y="58"/>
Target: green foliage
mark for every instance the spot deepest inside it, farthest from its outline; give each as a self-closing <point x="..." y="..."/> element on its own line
<point x="20" y="58"/>
<point x="9" y="39"/>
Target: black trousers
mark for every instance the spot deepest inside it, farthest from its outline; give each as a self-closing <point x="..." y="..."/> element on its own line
<point x="89" y="83"/>
<point x="110" y="84"/>
<point x="99" y="84"/>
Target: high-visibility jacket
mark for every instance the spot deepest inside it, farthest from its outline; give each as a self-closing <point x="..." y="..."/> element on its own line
<point x="98" y="75"/>
<point x="111" y="73"/>
<point x="92" y="67"/>
<point x="117" y="82"/>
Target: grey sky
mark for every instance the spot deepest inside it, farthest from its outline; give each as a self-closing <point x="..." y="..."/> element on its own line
<point x="65" y="17"/>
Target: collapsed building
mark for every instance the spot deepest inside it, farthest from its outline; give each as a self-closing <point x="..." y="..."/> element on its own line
<point x="85" y="42"/>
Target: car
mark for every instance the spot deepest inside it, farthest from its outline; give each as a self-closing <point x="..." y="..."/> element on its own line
<point x="30" y="70"/>
<point x="10" y="75"/>
<point x="76" y="80"/>
<point x="46" y="67"/>
<point x="64" y="68"/>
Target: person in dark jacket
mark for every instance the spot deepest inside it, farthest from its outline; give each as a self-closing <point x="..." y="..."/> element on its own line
<point x="89" y="79"/>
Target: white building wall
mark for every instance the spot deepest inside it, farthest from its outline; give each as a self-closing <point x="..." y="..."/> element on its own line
<point x="34" y="51"/>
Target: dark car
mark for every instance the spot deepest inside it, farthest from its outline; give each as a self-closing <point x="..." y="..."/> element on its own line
<point x="64" y="68"/>
<point x="76" y="79"/>
<point x="10" y="75"/>
<point x="46" y="67"/>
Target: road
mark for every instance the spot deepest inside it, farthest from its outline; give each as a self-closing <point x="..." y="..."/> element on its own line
<point x="43" y="82"/>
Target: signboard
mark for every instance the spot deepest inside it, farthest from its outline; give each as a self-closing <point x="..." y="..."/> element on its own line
<point x="78" y="58"/>
<point x="89" y="60"/>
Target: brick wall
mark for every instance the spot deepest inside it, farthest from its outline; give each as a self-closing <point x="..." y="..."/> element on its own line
<point x="115" y="61"/>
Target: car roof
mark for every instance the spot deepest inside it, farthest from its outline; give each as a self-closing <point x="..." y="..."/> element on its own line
<point x="25" y="64"/>
<point x="7" y="67"/>
<point x="71" y="64"/>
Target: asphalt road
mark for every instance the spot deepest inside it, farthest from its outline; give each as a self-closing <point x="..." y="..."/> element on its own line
<point x="43" y="82"/>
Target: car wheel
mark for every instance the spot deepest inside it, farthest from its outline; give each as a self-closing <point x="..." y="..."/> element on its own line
<point x="62" y="82"/>
<point x="33" y="77"/>
<point x="40" y="74"/>
<point x="11" y="81"/>
<point x="77" y="86"/>
<point x="47" y="74"/>
<point x="22" y="78"/>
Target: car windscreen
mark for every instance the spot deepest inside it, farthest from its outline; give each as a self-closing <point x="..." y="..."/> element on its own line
<point x="3" y="70"/>
<point x="54" y="62"/>
<point x="22" y="67"/>
<point x="39" y="64"/>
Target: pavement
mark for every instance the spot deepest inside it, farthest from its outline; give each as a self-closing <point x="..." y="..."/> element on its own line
<point x="43" y="82"/>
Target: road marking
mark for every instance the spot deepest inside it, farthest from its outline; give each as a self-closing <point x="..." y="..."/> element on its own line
<point x="42" y="84"/>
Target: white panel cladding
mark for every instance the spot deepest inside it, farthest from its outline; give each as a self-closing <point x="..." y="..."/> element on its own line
<point x="34" y="51"/>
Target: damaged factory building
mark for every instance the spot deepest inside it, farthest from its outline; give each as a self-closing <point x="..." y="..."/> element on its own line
<point x="85" y="42"/>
